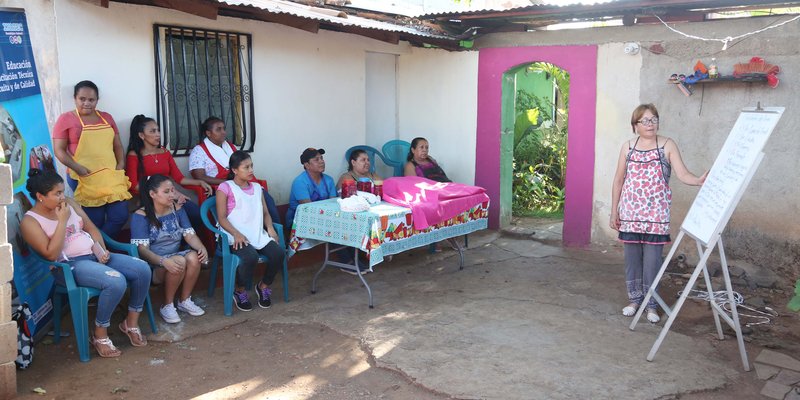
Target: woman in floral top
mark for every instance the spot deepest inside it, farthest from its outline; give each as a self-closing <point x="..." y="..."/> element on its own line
<point x="640" y="203"/>
<point x="159" y="229"/>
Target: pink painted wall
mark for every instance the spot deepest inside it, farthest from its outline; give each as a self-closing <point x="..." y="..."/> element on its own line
<point x="581" y="63"/>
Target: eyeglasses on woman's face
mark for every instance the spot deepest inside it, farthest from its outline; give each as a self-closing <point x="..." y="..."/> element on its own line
<point x="648" y="121"/>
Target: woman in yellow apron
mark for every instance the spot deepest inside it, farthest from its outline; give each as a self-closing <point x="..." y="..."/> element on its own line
<point x="87" y="142"/>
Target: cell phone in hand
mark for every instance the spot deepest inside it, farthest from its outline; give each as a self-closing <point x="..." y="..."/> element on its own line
<point x="98" y="251"/>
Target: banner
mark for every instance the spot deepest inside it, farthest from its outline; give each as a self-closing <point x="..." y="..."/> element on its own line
<point x="25" y="142"/>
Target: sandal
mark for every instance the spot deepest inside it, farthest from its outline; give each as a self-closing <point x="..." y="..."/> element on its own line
<point x="134" y="334"/>
<point x="105" y="348"/>
<point x="652" y="316"/>
<point x="630" y="309"/>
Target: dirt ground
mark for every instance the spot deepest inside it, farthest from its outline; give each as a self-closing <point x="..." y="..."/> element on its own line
<point x="282" y="362"/>
<point x="312" y="361"/>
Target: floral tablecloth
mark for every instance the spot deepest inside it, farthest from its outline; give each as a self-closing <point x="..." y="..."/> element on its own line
<point x="383" y="230"/>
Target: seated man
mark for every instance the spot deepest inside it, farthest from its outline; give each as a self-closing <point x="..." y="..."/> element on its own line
<point x="311" y="185"/>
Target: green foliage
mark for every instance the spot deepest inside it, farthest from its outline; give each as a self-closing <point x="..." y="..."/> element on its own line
<point x="540" y="145"/>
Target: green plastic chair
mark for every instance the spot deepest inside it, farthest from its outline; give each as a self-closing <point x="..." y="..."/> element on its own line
<point x="395" y="153"/>
<point x="78" y="297"/>
<point x="230" y="261"/>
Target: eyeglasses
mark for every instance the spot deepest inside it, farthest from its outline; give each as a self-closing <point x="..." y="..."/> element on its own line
<point x="648" y="121"/>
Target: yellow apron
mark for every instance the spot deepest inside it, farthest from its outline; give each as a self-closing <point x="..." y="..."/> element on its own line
<point x="105" y="184"/>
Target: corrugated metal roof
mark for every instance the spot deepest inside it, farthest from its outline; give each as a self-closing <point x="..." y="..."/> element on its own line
<point x="334" y="17"/>
<point x="544" y="4"/>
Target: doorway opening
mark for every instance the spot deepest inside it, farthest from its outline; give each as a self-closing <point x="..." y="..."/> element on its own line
<point x="539" y="149"/>
<point x="495" y="137"/>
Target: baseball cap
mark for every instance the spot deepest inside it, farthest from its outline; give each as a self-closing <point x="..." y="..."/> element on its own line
<point x="310" y="153"/>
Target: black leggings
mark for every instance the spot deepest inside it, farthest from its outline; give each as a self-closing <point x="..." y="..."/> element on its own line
<point x="248" y="256"/>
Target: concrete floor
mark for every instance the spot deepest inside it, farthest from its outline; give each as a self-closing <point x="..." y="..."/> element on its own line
<point x="522" y="320"/>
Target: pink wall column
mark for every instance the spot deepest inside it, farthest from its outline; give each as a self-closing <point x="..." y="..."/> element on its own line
<point x="581" y="63"/>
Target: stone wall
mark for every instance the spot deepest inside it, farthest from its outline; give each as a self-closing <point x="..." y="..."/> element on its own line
<point x="8" y="328"/>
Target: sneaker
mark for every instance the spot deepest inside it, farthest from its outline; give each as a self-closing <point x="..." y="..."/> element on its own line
<point x="170" y="314"/>
<point x="190" y="308"/>
<point x="263" y="296"/>
<point x="242" y="300"/>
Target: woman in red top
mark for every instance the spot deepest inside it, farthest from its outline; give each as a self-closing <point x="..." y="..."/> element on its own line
<point x="146" y="158"/>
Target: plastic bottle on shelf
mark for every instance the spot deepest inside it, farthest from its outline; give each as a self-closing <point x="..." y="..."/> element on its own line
<point x="712" y="69"/>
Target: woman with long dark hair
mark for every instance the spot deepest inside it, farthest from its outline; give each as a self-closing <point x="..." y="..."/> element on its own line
<point x="58" y="230"/>
<point x="146" y="157"/>
<point x="243" y="215"/>
<point x="159" y="229"/>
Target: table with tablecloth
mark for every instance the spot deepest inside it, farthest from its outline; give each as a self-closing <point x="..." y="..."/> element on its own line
<point x="383" y="230"/>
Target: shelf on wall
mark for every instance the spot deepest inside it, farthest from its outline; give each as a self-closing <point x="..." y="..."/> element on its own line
<point x="685" y="87"/>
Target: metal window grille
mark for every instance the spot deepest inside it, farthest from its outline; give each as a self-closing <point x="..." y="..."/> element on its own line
<point x="203" y="73"/>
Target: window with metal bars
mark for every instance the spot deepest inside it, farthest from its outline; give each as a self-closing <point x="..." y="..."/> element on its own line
<point x="203" y="73"/>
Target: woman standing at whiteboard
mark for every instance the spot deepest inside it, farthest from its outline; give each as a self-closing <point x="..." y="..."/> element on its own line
<point x="640" y="202"/>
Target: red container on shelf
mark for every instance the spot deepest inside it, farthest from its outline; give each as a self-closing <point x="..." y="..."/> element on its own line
<point x="377" y="189"/>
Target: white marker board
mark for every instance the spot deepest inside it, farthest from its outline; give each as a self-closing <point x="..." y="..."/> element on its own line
<point x="730" y="173"/>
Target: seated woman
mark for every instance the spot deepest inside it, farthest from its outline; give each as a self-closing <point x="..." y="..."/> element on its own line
<point x="146" y="158"/>
<point x="243" y="215"/>
<point x="158" y="229"/>
<point x="421" y="164"/>
<point x="58" y="229"/>
<point x="358" y="167"/>
<point x="209" y="159"/>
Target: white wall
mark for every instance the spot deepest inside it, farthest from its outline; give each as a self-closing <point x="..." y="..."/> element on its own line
<point x="617" y="96"/>
<point x="309" y="88"/>
<point x="438" y="93"/>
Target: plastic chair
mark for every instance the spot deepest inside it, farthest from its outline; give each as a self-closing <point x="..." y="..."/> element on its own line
<point x="371" y="153"/>
<point x="78" y="297"/>
<point x="395" y="153"/>
<point x="230" y="261"/>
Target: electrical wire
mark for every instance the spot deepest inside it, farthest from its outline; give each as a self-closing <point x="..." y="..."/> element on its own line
<point x="720" y="297"/>
<point x="728" y="39"/>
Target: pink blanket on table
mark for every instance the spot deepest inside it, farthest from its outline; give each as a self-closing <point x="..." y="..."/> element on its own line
<point x="431" y="202"/>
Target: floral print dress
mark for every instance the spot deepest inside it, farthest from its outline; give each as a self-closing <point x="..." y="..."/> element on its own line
<point x="646" y="197"/>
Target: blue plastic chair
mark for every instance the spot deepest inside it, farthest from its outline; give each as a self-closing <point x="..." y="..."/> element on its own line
<point x="230" y="261"/>
<point x="371" y="153"/>
<point x="395" y="153"/>
<point x="78" y="297"/>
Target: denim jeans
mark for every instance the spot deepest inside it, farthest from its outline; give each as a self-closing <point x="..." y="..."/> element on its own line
<point x="109" y="218"/>
<point x="112" y="279"/>
<point x="248" y="257"/>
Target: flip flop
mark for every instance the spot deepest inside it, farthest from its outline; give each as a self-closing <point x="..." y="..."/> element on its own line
<point x="111" y="351"/>
<point x="134" y="334"/>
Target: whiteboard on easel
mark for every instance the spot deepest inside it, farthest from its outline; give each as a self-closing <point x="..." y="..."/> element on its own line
<point x="731" y="171"/>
